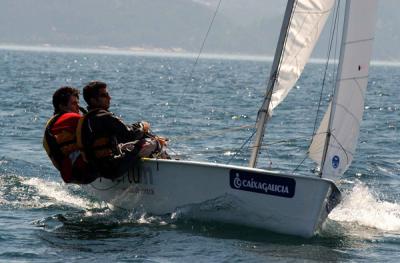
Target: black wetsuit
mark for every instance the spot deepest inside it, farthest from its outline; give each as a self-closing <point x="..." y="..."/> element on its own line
<point x="99" y="135"/>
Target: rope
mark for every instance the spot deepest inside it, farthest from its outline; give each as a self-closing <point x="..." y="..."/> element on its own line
<point x="241" y="147"/>
<point x="265" y="146"/>
<point x="213" y="133"/>
<point x="302" y="161"/>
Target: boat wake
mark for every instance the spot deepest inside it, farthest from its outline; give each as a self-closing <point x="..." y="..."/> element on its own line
<point x="59" y="193"/>
<point x="22" y="192"/>
<point x="362" y="207"/>
<point x="100" y="218"/>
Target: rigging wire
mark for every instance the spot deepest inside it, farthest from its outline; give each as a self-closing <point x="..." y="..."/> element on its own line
<point x="183" y="93"/>
<point x="214" y="133"/>
<point x="241" y="147"/>
<point x="335" y="55"/>
<point x="194" y="65"/>
<point x="266" y="145"/>
<point x="217" y="133"/>
<point x="331" y="37"/>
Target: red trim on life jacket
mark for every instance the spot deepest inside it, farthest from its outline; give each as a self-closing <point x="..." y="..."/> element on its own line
<point x="67" y="121"/>
<point x="62" y="133"/>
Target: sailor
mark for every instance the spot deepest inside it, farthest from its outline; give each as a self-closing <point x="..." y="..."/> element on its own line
<point x="106" y="142"/>
<point x="59" y="138"/>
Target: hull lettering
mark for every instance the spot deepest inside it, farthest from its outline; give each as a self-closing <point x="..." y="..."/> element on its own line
<point x="262" y="183"/>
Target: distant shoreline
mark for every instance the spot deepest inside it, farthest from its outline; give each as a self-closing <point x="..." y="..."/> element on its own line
<point x="133" y="52"/>
<point x="158" y="52"/>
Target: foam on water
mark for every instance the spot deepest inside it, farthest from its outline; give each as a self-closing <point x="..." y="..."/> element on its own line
<point x="13" y="194"/>
<point x="106" y="216"/>
<point x="2" y="200"/>
<point x="58" y="193"/>
<point x="361" y="206"/>
<point x="147" y="219"/>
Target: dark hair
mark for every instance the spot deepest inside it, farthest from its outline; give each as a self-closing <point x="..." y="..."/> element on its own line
<point x="91" y="90"/>
<point x="61" y="97"/>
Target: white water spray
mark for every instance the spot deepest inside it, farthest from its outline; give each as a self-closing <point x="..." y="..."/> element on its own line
<point x="58" y="193"/>
<point x="362" y="207"/>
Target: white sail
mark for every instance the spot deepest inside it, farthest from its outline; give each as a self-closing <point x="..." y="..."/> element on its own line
<point x="301" y="28"/>
<point x="318" y="142"/>
<point x="348" y="103"/>
<point x="307" y="21"/>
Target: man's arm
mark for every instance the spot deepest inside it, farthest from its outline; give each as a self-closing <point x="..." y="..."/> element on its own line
<point x="124" y="133"/>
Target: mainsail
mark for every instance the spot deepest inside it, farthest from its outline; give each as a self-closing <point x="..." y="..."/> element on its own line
<point x="334" y="144"/>
<point x="307" y="21"/>
<point x="301" y="28"/>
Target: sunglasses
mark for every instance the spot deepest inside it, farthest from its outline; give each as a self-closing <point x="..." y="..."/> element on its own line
<point x="104" y="95"/>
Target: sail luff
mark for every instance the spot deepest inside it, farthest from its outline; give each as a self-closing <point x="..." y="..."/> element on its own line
<point x="307" y="22"/>
<point x="263" y="112"/>
<point x="301" y="28"/>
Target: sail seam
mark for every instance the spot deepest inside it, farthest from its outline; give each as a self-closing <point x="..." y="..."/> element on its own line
<point x="340" y="147"/>
<point x="355" y="78"/>
<point x="314" y="13"/>
<point x="359" y="41"/>
<point x="349" y="113"/>
<point x="295" y="56"/>
<point x="358" y="87"/>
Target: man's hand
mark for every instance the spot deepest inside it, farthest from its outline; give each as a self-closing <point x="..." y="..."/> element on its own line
<point x="162" y="140"/>
<point x="145" y="126"/>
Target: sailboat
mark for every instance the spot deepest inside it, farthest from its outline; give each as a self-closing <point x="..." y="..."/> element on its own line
<point x="276" y="201"/>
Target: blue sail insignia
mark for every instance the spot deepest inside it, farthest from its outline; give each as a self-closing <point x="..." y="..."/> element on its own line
<point x="335" y="161"/>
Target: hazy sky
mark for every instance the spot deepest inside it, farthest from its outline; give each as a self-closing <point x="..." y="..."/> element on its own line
<point x="241" y="26"/>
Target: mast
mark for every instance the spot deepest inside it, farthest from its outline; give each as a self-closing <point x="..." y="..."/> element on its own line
<point x="263" y="112"/>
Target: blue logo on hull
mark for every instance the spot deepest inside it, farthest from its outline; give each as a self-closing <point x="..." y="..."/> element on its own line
<point x="262" y="183"/>
<point x="335" y="161"/>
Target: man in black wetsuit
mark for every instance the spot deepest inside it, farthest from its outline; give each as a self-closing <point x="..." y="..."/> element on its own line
<point x="106" y="142"/>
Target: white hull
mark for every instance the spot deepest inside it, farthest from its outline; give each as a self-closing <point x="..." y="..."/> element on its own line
<point x="289" y="204"/>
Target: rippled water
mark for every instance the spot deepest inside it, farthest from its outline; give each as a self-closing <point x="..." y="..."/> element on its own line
<point x="207" y="117"/>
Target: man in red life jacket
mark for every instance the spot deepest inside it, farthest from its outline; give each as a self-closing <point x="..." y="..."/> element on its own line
<point x="60" y="138"/>
<point x="106" y="142"/>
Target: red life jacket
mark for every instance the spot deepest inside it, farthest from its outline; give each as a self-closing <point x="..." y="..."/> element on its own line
<point x="60" y="144"/>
